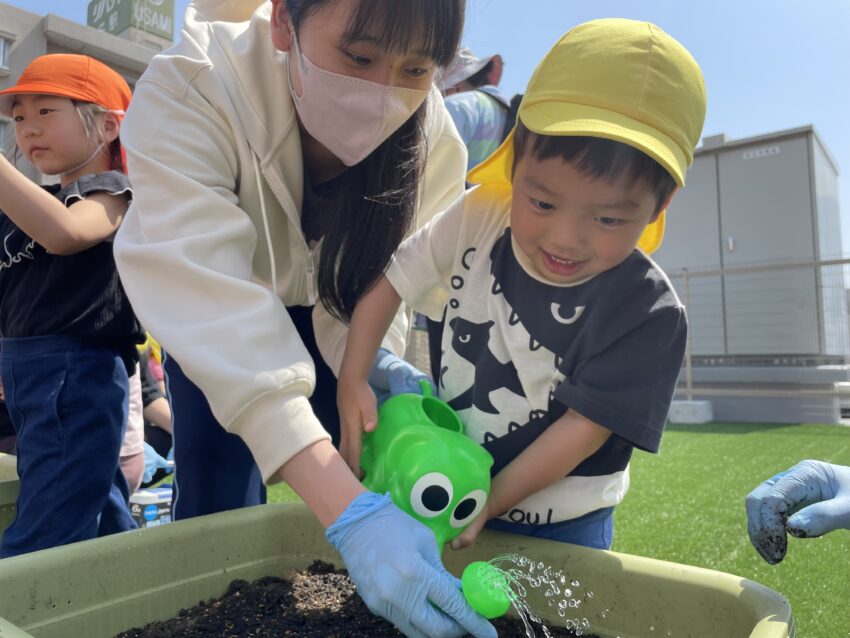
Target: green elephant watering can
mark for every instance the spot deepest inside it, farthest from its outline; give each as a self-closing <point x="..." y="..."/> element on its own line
<point x="420" y="455"/>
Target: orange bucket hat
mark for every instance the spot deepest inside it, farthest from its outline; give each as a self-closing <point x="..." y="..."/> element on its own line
<point x="77" y="77"/>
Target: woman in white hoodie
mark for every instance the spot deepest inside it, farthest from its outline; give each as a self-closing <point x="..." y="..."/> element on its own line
<point x="279" y="153"/>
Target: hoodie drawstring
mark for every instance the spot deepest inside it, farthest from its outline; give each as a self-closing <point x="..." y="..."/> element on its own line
<point x="269" y="243"/>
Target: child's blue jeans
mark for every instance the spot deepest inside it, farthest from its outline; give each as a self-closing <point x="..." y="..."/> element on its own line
<point x="68" y="404"/>
<point x="595" y="529"/>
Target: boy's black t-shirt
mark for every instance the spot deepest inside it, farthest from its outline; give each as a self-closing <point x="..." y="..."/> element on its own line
<point x="78" y="295"/>
<point x="519" y="350"/>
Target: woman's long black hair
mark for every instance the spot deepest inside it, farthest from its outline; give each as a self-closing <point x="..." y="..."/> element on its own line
<point x="377" y="200"/>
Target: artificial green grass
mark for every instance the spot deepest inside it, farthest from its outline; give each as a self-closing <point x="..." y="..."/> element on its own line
<point x="686" y="505"/>
<point x="280" y="493"/>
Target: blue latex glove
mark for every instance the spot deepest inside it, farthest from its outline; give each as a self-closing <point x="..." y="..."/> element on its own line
<point x="818" y="492"/>
<point x="395" y="564"/>
<point x="391" y="375"/>
<point x="153" y="462"/>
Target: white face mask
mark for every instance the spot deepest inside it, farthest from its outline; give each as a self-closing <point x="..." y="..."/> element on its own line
<point x="350" y="117"/>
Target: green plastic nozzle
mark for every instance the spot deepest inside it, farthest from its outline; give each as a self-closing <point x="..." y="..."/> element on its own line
<point x="485" y="588"/>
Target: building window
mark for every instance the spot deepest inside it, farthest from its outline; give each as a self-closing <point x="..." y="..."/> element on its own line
<point x="5" y="45"/>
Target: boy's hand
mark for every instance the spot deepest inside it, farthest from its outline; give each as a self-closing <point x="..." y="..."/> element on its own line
<point x="357" y="414"/>
<point x="468" y="536"/>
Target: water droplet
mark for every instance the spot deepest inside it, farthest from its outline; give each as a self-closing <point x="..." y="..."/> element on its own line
<point x="585" y="623"/>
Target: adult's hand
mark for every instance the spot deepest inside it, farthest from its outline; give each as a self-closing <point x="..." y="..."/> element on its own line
<point x="391" y="375"/>
<point x="153" y="462"/>
<point x="810" y="499"/>
<point x="395" y="564"/>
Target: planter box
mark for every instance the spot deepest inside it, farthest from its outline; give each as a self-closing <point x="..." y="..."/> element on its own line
<point x="101" y="587"/>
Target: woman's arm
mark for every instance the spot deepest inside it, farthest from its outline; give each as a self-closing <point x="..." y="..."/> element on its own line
<point x="185" y="253"/>
<point x="319" y="475"/>
<point x="59" y="229"/>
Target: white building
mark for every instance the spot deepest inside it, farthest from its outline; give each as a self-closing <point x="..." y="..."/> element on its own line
<point x="755" y="216"/>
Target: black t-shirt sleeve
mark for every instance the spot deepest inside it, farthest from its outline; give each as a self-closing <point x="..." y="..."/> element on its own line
<point x="110" y="182"/>
<point x="627" y="386"/>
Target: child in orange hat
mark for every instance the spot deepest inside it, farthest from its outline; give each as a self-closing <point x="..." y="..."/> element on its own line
<point x="67" y="331"/>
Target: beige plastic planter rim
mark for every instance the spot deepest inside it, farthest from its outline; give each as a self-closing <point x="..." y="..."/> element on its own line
<point x="99" y="588"/>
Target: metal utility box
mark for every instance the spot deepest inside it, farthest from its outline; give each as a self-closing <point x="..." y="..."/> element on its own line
<point x="767" y="206"/>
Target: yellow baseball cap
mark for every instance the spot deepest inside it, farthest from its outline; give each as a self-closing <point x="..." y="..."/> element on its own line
<point x="617" y="79"/>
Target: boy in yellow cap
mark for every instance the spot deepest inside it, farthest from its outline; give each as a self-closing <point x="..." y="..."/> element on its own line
<point x="564" y="339"/>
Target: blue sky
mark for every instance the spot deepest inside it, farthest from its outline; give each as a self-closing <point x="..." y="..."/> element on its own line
<point x="768" y="64"/>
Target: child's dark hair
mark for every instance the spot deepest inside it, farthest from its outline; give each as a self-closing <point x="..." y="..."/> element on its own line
<point x="598" y="158"/>
<point x="377" y="198"/>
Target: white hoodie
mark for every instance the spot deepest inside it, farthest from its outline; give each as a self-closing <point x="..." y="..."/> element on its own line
<point x="211" y="249"/>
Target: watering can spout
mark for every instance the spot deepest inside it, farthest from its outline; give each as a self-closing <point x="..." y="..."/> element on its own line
<point x="485" y="588"/>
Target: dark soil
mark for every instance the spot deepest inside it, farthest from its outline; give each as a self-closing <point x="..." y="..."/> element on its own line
<point x="319" y="602"/>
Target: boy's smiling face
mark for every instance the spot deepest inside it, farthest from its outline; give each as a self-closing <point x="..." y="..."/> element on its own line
<point x="571" y="226"/>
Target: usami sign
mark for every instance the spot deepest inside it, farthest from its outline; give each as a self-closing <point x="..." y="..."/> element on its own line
<point x="116" y="16"/>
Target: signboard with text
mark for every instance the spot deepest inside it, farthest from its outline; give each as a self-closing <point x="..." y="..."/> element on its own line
<point x="112" y="16"/>
<point x="116" y="16"/>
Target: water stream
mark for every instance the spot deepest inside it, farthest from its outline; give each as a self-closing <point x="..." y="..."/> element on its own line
<point x="563" y="594"/>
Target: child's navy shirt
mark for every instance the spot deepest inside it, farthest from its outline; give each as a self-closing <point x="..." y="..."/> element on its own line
<point x="78" y="295"/>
